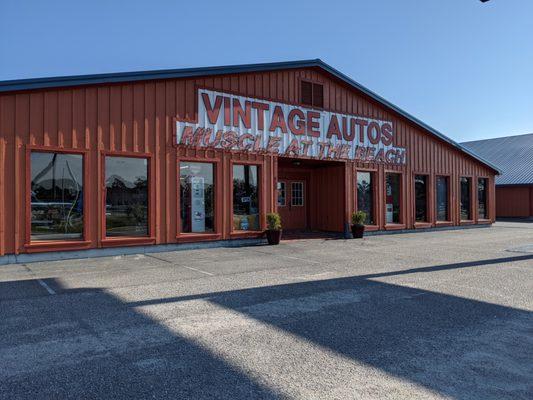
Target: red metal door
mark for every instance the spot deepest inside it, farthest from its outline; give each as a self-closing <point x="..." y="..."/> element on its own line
<point x="292" y="203"/>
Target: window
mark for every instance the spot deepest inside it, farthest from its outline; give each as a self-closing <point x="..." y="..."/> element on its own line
<point x="56" y="196"/>
<point x="318" y="95"/>
<point x="297" y="194"/>
<point x="421" y="198"/>
<point x="393" y="193"/>
<point x="312" y="94"/>
<point x="281" y="194"/>
<point x="482" y="191"/>
<point x="365" y="195"/>
<point x="126" y="196"/>
<point x="197" y="197"/>
<point x="442" y="198"/>
<point x="466" y="186"/>
<point x="307" y="93"/>
<point x="245" y="198"/>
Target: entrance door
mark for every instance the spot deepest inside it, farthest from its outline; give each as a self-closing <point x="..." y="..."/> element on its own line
<point x="292" y="203"/>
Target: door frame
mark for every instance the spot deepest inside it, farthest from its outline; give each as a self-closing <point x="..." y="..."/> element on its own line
<point x="288" y="180"/>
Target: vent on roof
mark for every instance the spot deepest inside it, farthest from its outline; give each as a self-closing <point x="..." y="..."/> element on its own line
<point x="312" y="94"/>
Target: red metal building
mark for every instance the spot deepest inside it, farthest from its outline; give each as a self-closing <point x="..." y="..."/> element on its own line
<point x="167" y="157"/>
<point x="514" y="186"/>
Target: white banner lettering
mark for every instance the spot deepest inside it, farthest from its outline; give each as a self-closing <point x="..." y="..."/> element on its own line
<point x="232" y="122"/>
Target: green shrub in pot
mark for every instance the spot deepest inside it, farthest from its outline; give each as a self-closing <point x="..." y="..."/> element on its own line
<point x="358" y="224"/>
<point x="273" y="231"/>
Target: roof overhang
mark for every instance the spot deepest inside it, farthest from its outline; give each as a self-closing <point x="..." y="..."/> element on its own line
<point x="82" y="80"/>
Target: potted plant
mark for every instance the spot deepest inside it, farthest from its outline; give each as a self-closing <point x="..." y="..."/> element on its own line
<point x="273" y="232"/>
<point x="358" y="221"/>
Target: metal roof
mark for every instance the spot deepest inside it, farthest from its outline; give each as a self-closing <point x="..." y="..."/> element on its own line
<point x="63" y="81"/>
<point x="513" y="154"/>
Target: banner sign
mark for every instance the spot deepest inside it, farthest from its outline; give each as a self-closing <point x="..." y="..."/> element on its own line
<point x="231" y="122"/>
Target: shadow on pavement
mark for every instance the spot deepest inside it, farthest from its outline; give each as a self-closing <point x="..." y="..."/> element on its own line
<point x="457" y="347"/>
<point x="90" y="345"/>
<point x="330" y="284"/>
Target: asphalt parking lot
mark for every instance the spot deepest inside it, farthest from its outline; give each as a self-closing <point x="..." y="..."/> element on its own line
<point x="412" y="316"/>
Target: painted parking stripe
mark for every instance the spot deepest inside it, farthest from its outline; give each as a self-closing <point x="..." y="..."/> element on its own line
<point x="197" y="270"/>
<point x="289" y="257"/>
<point x="45" y="285"/>
<point x="182" y="266"/>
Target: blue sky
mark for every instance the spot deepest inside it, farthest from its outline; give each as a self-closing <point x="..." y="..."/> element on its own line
<point x="462" y="66"/>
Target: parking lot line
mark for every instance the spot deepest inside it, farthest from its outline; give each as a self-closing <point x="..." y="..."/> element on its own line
<point x="197" y="270"/>
<point x="289" y="257"/>
<point x="44" y="285"/>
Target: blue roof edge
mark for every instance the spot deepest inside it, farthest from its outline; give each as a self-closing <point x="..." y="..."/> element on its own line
<point x="118" y="77"/>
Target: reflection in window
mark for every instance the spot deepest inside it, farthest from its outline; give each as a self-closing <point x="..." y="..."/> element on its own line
<point x="126" y="209"/>
<point x="281" y="194"/>
<point x="196" y="197"/>
<point x="442" y="199"/>
<point x="466" y="213"/>
<point x="56" y="196"/>
<point x="482" y="188"/>
<point x="393" y="190"/>
<point x="421" y="199"/>
<point x="297" y="194"/>
<point x="365" y="195"/>
<point x="245" y="198"/>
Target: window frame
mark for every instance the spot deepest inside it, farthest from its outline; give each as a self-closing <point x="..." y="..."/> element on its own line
<point x="472" y="200"/>
<point x="217" y="177"/>
<point x="449" y="221"/>
<point x="394" y="225"/>
<point x="487" y="197"/>
<point x="312" y="105"/>
<point x="285" y="194"/>
<point x="375" y="187"/>
<point x="112" y="241"/>
<point x="64" y="244"/>
<point x="429" y="216"/>
<point x="261" y="187"/>
<point x="303" y="193"/>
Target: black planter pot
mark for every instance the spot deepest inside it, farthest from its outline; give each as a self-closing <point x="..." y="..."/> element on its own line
<point x="273" y="237"/>
<point x="358" y="231"/>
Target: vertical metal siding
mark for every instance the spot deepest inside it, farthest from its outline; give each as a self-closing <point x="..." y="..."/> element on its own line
<point x="138" y="118"/>
<point x="514" y="201"/>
